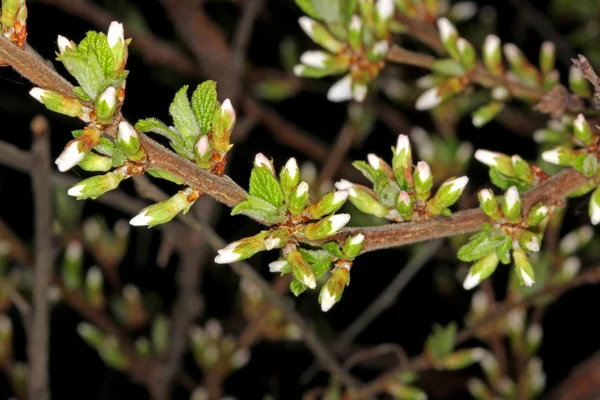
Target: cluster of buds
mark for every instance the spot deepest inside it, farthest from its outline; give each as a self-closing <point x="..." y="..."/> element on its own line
<point x="108" y="246"/>
<point x="211" y="348"/>
<point x="400" y="193"/>
<point x="13" y="22"/>
<point x="583" y="159"/>
<point x="202" y="128"/>
<point x="357" y="42"/>
<point x="107" y="346"/>
<point x="506" y="171"/>
<point x="508" y="230"/>
<point x="98" y="64"/>
<point x="453" y="71"/>
<point x="285" y="204"/>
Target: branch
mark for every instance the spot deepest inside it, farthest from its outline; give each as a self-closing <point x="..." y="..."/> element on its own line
<point x="421" y="363"/>
<point x="38" y="347"/>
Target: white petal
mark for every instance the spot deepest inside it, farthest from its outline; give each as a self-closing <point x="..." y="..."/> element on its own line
<point x="446" y="28"/>
<point x="115" y="32"/>
<point x="373" y="160"/>
<point x="271" y="242"/>
<point x="341" y="90"/>
<point x="63" y="44"/>
<point x="327" y="300"/>
<point x="343" y="184"/>
<point x="428" y="100"/>
<point x="512" y="197"/>
<point x="338" y="221"/>
<point x="511" y="52"/>
<point x="94" y="276"/>
<point x="302" y="189"/>
<point x="141" y="219"/>
<point x="381" y="48"/>
<point x="551" y="156"/>
<point x="526" y="278"/>
<point x="359" y="92"/>
<point x="423" y="170"/>
<point x="70" y="157"/>
<point x="126" y="131"/>
<point x="595" y="215"/>
<point x="355" y="23"/>
<point x="260" y="160"/>
<point x="339" y="196"/>
<point x="486" y="195"/>
<point x="75" y="191"/>
<point x="299" y="69"/>
<point x="291" y="166"/>
<point x="226" y="255"/>
<point x="37" y="93"/>
<point x="357" y="239"/>
<point x="471" y="281"/>
<point x="109" y="96"/>
<point x="533" y="245"/>
<point x="404" y="197"/>
<point x="491" y="45"/>
<point x="306" y="24"/>
<point x="402" y="143"/>
<point x="309" y="281"/>
<point x="277" y="266"/>
<point x="385" y="8"/>
<point x="458" y="183"/>
<point x="486" y="157"/>
<point x="202" y="147"/>
<point x="315" y="59"/>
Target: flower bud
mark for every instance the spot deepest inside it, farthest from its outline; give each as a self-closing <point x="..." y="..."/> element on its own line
<point x="222" y="124"/>
<point x="488" y="204"/>
<point x="594" y="207"/>
<point x="298" y="199"/>
<point x="277" y="239"/>
<point x="366" y="201"/>
<point x="301" y="270"/>
<point x="537" y="214"/>
<point x="106" y="105"/>
<point x="486" y="113"/>
<point x="575" y="240"/>
<point x="242" y="249"/>
<point x="501" y="162"/>
<point x="96" y="186"/>
<point x="481" y="270"/>
<point x="332" y="290"/>
<point x="423" y="180"/>
<point x="523" y="267"/>
<point x="320" y="35"/>
<point x="94" y="162"/>
<point x="578" y="84"/>
<point x="281" y="266"/>
<point x="402" y="162"/>
<point x="492" y="55"/>
<point x="328" y="204"/>
<point x="57" y="102"/>
<point x="128" y="141"/>
<point x="405" y="206"/>
<point x="94" y="287"/>
<point x="511" y="206"/>
<point x="341" y="90"/>
<point x="355" y="32"/>
<point x="353" y="245"/>
<point x="466" y="53"/>
<point x="449" y="37"/>
<point x="447" y="195"/>
<point x="72" y="265"/>
<point x="582" y="130"/>
<point x="65" y="44"/>
<point x="326" y="227"/>
<point x="560" y="156"/>
<point x="289" y="177"/>
<point x="118" y="46"/>
<point x="547" y="57"/>
<point x="165" y="211"/>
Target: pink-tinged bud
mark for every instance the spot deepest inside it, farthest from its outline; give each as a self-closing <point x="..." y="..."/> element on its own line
<point x="115" y="33"/>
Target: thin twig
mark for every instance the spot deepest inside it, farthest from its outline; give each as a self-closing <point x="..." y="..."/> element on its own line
<point x="243" y="33"/>
<point x="337" y="155"/>
<point x="38" y="346"/>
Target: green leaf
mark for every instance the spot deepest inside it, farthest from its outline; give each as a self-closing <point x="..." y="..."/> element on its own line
<point x="204" y="104"/>
<point x="387" y="191"/>
<point x="183" y="116"/>
<point x="480" y="245"/>
<point x="332" y="248"/>
<point x="441" y="342"/>
<point x="81" y="93"/>
<point x="118" y="157"/>
<point x="448" y="67"/>
<point x="105" y="147"/>
<point x="369" y="172"/>
<point x="264" y="185"/>
<point x="297" y="287"/>
<point x="329" y="10"/>
<point x="154" y="125"/>
<point x="89" y="75"/>
<point x="319" y="260"/>
<point x="103" y="53"/>
<point x="258" y="208"/>
<point x="504" y="182"/>
<point x="308" y="8"/>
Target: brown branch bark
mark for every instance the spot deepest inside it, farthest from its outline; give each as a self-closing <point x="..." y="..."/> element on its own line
<point x="38" y="349"/>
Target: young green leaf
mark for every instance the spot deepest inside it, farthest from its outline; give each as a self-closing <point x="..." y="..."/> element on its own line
<point x="204" y="104"/>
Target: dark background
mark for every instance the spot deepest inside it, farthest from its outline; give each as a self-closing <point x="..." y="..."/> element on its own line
<point x="571" y="330"/>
